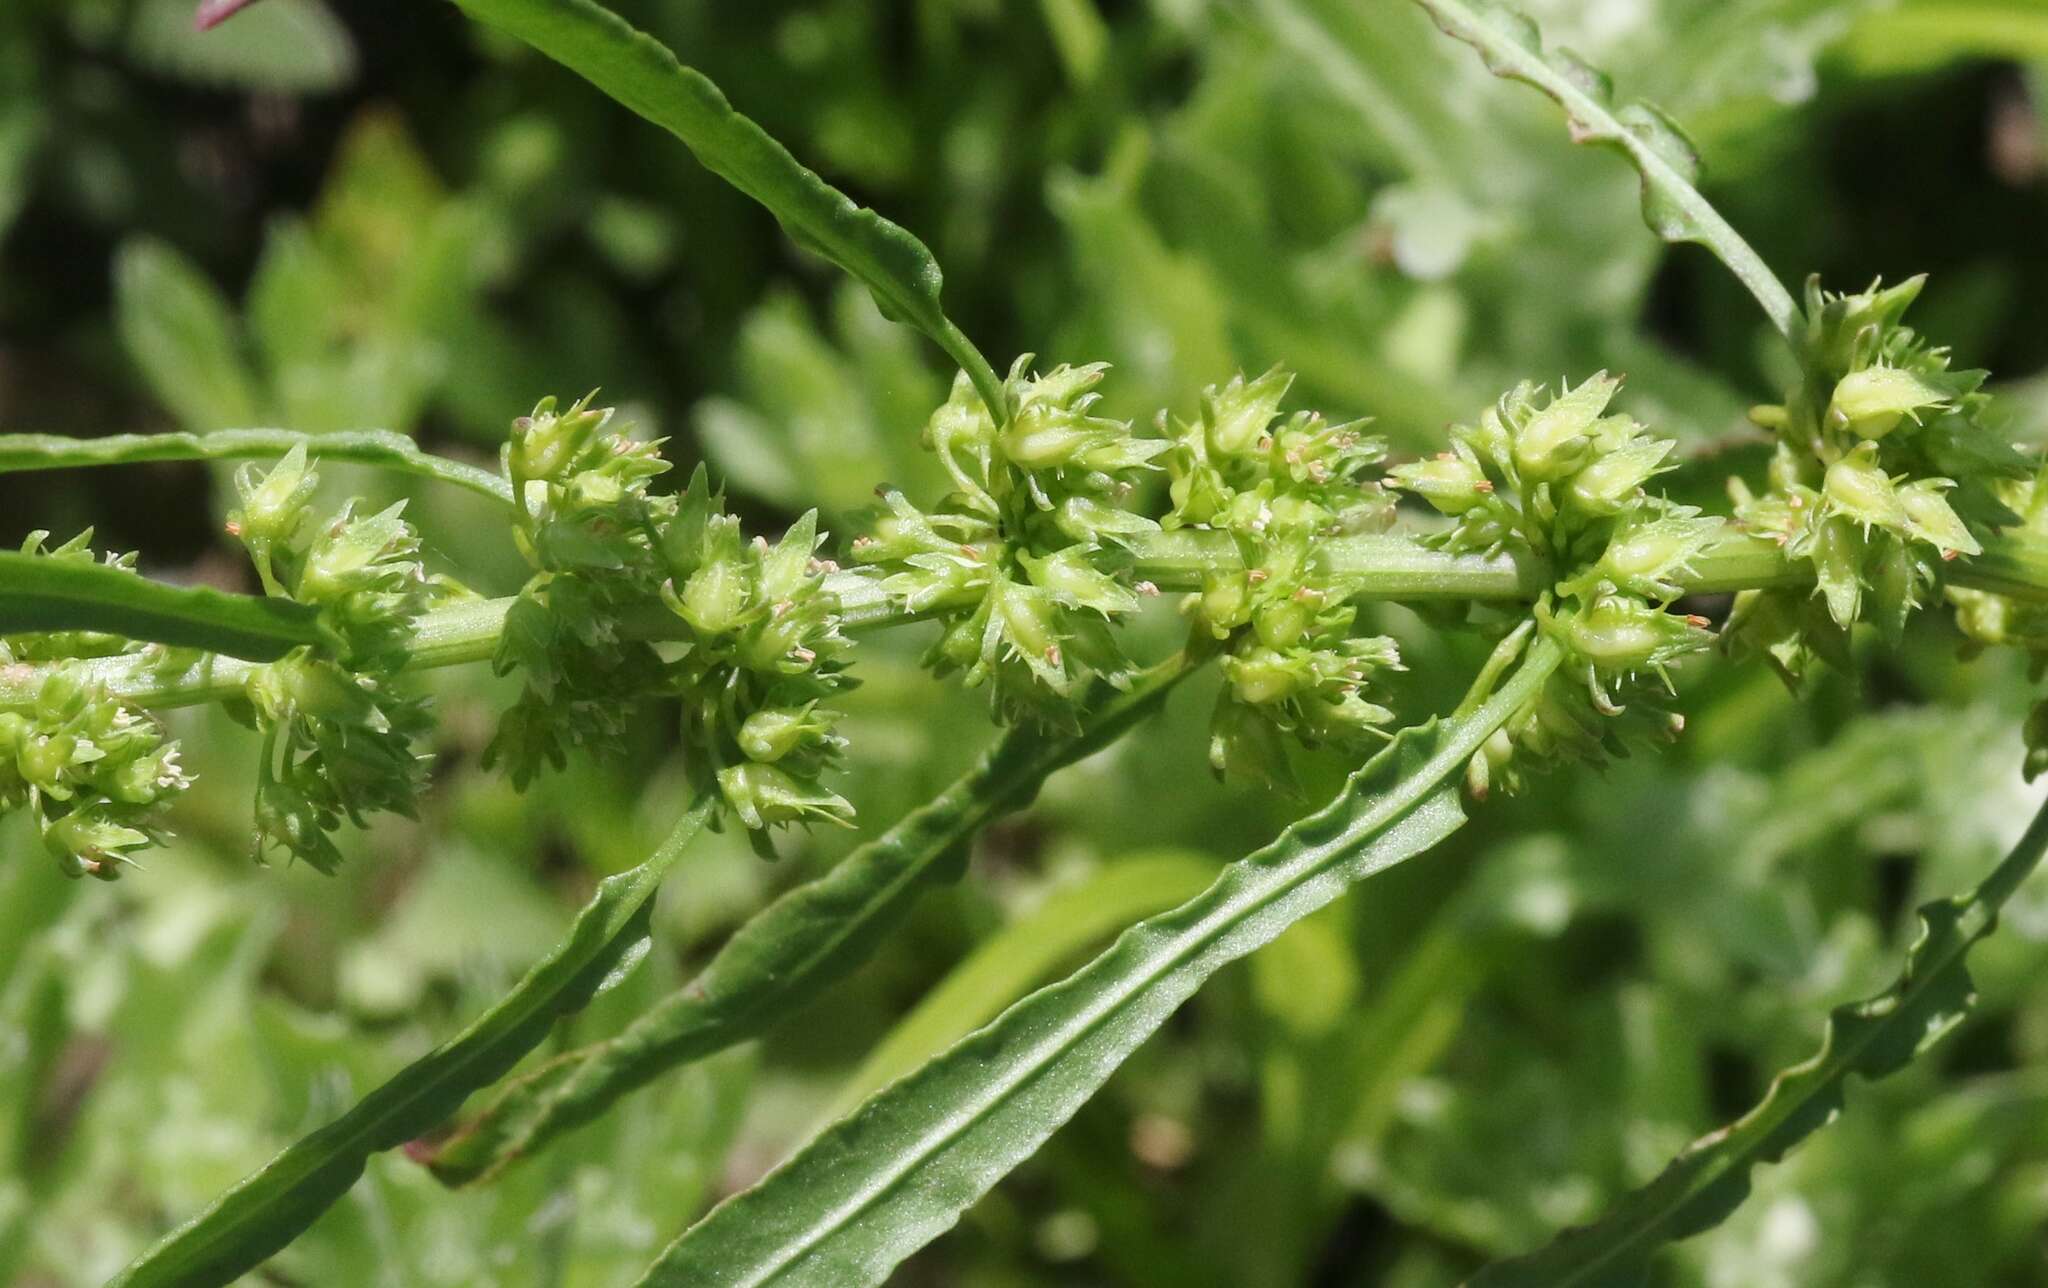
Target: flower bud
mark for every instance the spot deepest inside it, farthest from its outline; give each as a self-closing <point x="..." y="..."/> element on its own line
<point x="85" y="843"/>
<point x="304" y="685"/>
<point x="62" y="697"/>
<point x="1489" y="764"/>
<point x="1031" y="624"/>
<point x="1858" y="488"/>
<point x="1224" y="603"/>
<point x="1044" y="440"/>
<point x="1261" y="676"/>
<point x="901" y="531"/>
<point x="1244" y="746"/>
<point x="959" y="645"/>
<point x="786" y="567"/>
<point x="774" y="732"/>
<point x="1838" y="567"/>
<point x="1283" y="623"/>
<point x="46" y="759"/>
<point x="1451" y="483"/>
<point x="547" y="445"/>
<point x="349" y="549"/>
<point x="1237" y="414"/>
<point x="1551" y="442"/>
<point x="1619" y="633"/>
<point x="1068" y="577"/>
<point x="273" y="502"/>
<point x="1610" y="481"/>
<point x="1872" y="402"/>
<point x="1930" y="518"/>
<point x="714" y="600"/>
<point x="1085" y="519"/>
<point x="1645" y="558"/>
<point x="764" y="795"/>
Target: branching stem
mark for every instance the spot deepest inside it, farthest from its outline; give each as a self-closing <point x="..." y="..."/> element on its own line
<point x="1371" y="568"/>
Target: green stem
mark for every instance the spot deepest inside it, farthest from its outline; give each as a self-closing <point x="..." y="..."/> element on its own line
<point x="1369" y="568"/>
<point x="986" y="382"/>
<point x="379" y="447"/>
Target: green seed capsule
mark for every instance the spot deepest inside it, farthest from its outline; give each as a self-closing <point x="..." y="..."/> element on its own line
<point x="764" y="795"/>
<point x="773" y="733"/>
<point x="1930" y="518"/>
<point x="1838" y="566"/>
<point x="546" y="445"/>
<point x="1284" y="624"/>
<point x="85" y="844"/>
<point x="1224" y="602"/>
<point x="715" y="597"/>
<point x="273" y="502"/>
<point x="1552" y="442"/>
<point x="44" y="760"/>
<point x="1043" y="442"/>
<point x="1451" y="484"/>
<point x="1029" y="621"/>
<point x="1067" y="576"/>
<point x="1611" y="480"/>
<point x="1872" y="402"/>
<point x="1263" y="676"/>
<point x="1624" y="634"/>
<point x="1858" y="488"/>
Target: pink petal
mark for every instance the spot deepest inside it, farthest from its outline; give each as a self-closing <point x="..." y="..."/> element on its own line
<point x="212" y="13"/>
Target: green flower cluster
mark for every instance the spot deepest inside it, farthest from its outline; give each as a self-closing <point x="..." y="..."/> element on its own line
<point x="339" y="728"/>
<point x="1561" y="479"/>
<point x="1024" y="561"/>
<point x="1883" y="468"/>
<point x="93" y="772"/>
<point x="1292" y="664"/>
<point x="637" y="595"/>
<point x="1237" y="466"/>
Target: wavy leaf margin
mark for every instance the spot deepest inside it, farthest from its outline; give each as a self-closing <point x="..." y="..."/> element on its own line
<point x="1873" y="1037"/>
<point x="1511" y="46"/>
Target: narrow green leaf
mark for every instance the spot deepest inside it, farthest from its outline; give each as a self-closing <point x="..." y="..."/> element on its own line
<point x="796" y="947"/>
<point x="1873" y="1038"/>
<point x="181" y="333"/>
<point x="270" y="1208"/>
<point x="1512" y="47"/>
<point x="41" y="593"/>
<point x="645" y="76"/>
<point x="379" y="447"/>
<point x="901" y="1169"/>
<point x="1021" y="956"/>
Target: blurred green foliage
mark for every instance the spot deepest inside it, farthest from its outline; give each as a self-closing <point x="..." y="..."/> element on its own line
<point x="365" y="214"/>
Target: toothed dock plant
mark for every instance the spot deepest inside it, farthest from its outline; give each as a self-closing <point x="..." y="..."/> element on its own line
<point x="1537" y="527"/>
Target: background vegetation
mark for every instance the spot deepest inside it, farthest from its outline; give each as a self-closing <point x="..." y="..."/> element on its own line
<point x="373" y="214"/>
